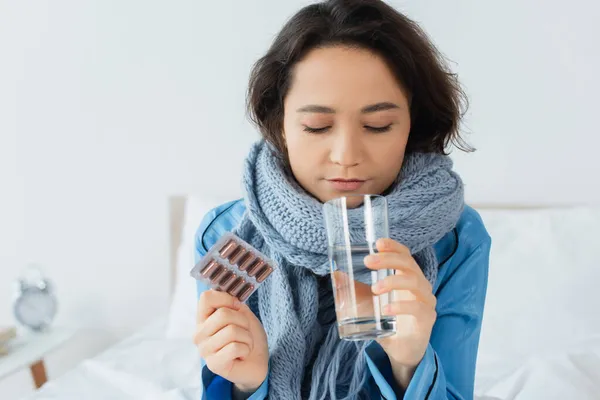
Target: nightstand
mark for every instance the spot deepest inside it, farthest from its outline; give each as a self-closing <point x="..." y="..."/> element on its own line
<point x="28" y="350"/>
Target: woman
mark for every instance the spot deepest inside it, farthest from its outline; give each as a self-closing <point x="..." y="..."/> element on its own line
<point x="351" y="98"/>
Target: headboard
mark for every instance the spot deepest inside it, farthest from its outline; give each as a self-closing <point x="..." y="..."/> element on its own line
<point x="176" y="221"/>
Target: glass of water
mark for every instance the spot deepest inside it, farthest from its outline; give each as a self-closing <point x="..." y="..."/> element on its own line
<point x="354" y="223"/>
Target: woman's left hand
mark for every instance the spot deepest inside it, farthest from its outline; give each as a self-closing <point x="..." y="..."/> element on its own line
<point x="413" y="304"/>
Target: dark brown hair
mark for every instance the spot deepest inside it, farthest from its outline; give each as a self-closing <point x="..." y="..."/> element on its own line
<point x="434" y="92"/>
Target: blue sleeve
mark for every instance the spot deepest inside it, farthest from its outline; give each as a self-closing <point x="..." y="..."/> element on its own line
<point x="214" y="386"/>
<point x="447" y="370"/>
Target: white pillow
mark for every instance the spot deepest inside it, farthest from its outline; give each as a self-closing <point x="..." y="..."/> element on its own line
<point x="182" y="312"/>
<point x="542" y="288"/>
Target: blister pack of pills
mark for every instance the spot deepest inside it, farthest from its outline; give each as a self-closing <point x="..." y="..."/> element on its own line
<point x="233" y="266"/>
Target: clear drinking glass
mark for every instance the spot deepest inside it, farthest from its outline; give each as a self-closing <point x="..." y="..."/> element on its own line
<point x="351" y="234"/>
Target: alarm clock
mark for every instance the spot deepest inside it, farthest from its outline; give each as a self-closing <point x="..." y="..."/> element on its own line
<point x="35" y="303"/>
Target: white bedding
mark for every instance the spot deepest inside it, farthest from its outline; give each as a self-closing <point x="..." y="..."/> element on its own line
<point x="564" y="375"/>
<point x="146" y="365"/>
<point x="150" y="366"/>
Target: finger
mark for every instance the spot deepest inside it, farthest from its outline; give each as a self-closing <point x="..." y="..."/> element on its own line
<point x="418" y="285"/>
<point x="410" y="307"/>
<point x="233" y="351"/>
<point x="388" y="260"/>
<point x="390" y="245"/>
<point x="211" y="300"/>
<point x="340" y="280"/>
<point x="229" y="334"/>
<point x="219" y="320"/>
<point x="246" y="311"/>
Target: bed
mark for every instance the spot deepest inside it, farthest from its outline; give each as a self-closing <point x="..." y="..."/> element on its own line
<point x="540" y="337"/>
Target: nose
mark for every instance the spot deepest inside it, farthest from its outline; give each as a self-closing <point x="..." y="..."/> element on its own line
<point x="346" y="148"/>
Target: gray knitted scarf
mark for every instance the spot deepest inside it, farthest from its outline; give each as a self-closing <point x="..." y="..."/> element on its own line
<point x="295" y="305"/>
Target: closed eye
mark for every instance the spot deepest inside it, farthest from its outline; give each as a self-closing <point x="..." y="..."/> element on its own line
<point x="375" y="129"/>
<point x="316" y="130"/>
<point x="378" y="129"/>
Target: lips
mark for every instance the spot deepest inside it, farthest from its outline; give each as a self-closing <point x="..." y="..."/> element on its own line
<point x="346" y="185"/>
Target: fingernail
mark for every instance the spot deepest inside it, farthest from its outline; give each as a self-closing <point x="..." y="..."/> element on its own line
<point x="377" y="287"/>
<point x="237" y="304"/>
<point x="371" y="259"/>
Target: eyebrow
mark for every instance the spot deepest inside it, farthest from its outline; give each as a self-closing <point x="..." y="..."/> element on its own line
<point x="314" y="108"/>
<point x="379" y="107"/>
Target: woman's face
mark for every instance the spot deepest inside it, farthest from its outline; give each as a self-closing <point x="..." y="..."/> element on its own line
<point x="346" y="123"/>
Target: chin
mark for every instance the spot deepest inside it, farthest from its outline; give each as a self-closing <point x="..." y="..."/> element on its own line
<point x="355" y="202"/>
<point x="355" y="199"/>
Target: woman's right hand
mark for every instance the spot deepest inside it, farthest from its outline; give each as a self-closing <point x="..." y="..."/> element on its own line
<point x="231" y="340"/>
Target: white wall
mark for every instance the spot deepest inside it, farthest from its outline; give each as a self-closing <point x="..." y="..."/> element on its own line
<point x="531" y="70"/>
<point x="107" y="107"/>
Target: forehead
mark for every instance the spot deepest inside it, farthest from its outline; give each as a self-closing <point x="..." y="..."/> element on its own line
<point x="346" y="76"/>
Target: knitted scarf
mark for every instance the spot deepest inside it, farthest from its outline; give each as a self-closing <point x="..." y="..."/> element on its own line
<point x="295" y="305"/>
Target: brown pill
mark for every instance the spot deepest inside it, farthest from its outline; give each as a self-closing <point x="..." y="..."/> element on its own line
<point x="264" y="274"/>
<point x="246" y="261"/>
<point x="245" y="292"/>
<point x="257" y="266"/>
<point x="216" y="274"/>
<point x="235" y="286"/>
<point x="209" y="268"/>
<point x="237" y="256"/>
<point x="226" y="279"/>
<point x="228" y="248"/>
